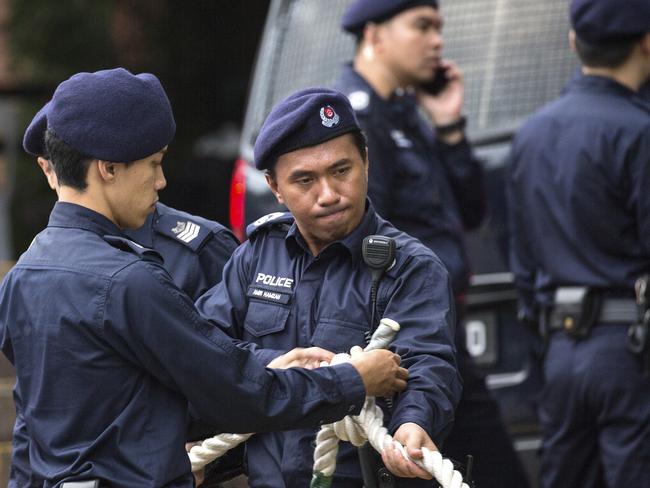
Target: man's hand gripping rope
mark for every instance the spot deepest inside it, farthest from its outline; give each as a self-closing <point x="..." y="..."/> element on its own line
<point x="368" y="426"/>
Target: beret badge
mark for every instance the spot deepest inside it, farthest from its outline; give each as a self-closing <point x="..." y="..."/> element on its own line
<point x="329" y="117"/>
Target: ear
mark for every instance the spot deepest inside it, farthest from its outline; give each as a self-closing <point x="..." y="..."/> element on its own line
<point x="48" y="171"/>
<point x="273" y="185"/>
<point x="572" y="40"/>
<point x="371" y="38"/>
<point x="107" y="170"/>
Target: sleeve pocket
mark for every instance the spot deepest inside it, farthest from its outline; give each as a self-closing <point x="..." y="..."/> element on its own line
<point x="265" y="318"/>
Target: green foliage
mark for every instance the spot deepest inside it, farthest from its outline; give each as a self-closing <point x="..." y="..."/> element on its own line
<point x="50" y="40"/>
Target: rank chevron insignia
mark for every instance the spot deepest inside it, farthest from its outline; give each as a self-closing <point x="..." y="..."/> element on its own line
<point x="186" y="231"/>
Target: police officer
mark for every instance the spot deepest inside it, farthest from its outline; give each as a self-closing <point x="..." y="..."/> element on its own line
<point x="194" y="249"/>
<point x="107" y="349"/>
<point x="426" y="181"/>
<point x="300" y="280"/>
<point x="194" y="252"/>
<point x="580" y="221"/>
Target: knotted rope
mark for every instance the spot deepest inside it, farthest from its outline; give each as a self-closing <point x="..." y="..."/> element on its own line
<point x="210" y="449"/>
<point x="369" y="426"/>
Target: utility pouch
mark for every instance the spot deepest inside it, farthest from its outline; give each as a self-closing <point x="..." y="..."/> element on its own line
<point x="638" y="335"/>
<point x="575" y="310"/>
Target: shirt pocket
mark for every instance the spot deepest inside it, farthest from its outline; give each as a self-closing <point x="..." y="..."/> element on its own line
<point x="263" y="318"/>
<point x="338" y="335"/>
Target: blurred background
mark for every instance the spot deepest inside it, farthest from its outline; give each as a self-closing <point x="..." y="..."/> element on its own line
<point x="202" y="51"/>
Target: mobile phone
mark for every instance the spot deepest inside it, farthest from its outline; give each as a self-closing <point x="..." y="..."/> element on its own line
<point x="438" y="83"/>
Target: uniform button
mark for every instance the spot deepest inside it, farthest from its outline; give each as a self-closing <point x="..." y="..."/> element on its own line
<point x="351" y="408"/>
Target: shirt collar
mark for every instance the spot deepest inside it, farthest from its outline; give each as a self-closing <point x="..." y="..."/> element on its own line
<point x="349" y="76"/>
<point x="144" y="235"/>
<point x="398" y="97"/>
<point x="603" y="84"/>
<point x="73" y="216"/>
<point x="352" y="242"/>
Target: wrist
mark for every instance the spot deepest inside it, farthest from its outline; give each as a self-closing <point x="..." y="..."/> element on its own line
<point x="456" y="125"/>
<point x="452" y="132"/>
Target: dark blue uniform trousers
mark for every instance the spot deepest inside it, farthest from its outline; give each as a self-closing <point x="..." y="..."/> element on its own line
<point x="595" y="413"/>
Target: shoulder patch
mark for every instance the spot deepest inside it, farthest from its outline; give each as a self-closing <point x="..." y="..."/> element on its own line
<point x="128" y="245"/>
<point x="359" y="100"/>
<point x="269" y="220"/>
<point x="184" y="230"/>
<point x="400" y="139"/>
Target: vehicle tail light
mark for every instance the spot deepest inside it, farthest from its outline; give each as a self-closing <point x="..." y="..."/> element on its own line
<point x="238" y="199"/>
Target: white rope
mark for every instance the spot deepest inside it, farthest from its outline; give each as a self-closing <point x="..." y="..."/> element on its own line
<point x="210" y="449"/>
<point x="369" y="425"/>
<point x="213" y="448"/>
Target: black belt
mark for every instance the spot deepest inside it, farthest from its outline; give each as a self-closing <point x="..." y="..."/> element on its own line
<point x="612" y="310"/>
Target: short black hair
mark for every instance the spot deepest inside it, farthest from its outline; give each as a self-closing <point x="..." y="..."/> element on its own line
<point x="359" y="141"/>
<point x="70" y="166"/>
<point x="610" y="54"/>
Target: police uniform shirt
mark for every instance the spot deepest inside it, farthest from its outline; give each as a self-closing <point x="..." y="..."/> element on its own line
<point x="645" y="92"/>
<point x="194" y="249"/>
<point x="580" y="210"/>
<point x="275" y="295"/>
<point x="430" y="190"/>
<point x="194" y="252"/>
<point x="108" y="351"/>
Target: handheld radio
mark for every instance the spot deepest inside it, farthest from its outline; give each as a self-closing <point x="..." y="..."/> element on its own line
<point x="379" y="255"/>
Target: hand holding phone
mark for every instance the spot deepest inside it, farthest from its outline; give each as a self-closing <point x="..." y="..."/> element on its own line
<point x="438" y="82"/>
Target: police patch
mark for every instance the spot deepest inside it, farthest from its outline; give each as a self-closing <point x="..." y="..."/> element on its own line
<point x="328" y="116"/>
<point x="186" y="231"/>
<point x="400" y="139"/>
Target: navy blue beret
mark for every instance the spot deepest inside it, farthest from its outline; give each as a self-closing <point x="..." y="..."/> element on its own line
<point x="112" y="115"/>
<point x="596" y="21"/>
<point x="360" y="12"/>
<point x="306" y="118"/>
<point x="34" y="138"/>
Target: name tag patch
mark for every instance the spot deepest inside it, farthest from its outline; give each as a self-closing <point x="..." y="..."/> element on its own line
<point x="268" y="295"/>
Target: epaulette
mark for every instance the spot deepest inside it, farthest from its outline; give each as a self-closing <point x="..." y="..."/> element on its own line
<point x="360" y="100"/>
<point x="128" y="245"/>
<point x="272" y="219"/>
<point x="187" y="231"/>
